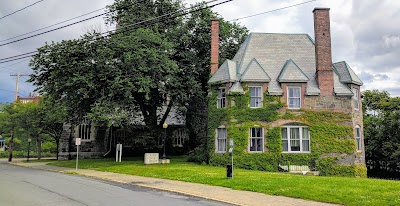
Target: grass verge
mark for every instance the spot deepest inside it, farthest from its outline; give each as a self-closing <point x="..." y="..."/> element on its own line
<point x="341" y="190"/>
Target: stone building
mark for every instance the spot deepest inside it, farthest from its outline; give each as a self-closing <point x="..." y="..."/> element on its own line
<point x="285" y="103"/>
<point x="100" y="141"/>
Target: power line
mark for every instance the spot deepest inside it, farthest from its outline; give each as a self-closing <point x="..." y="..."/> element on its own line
<point x="52" y="25"/>
<point x="2" y="62"/>
<point x="58" y="28"/>
<point x="272" y="10"/>
<point x="28" y="37"/>
<point x="169" y="14"/>
<point x="137" y="23"/>
<point x="20" y="9"/>
<point x="14" y="64"/>
<point x="18" y="55"/>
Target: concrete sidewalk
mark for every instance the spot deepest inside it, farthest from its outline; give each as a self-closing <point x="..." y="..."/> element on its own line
<point x="222" y="194"/>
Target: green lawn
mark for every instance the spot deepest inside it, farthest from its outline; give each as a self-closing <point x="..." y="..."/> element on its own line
<point x="342" y="190"/>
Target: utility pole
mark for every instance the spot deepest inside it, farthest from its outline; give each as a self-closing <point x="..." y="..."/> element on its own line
<point x="18" y="75"/>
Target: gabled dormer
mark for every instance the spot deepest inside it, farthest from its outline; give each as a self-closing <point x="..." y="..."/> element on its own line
<point x="254" y="72"/>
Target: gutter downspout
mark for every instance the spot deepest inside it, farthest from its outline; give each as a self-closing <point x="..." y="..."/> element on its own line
<point x="111" y="138"/>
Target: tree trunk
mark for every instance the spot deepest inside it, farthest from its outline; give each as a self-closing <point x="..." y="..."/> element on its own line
<point x="39" y="148"/>
<point x="58" y="144"/>
<point x="10" y="148"/>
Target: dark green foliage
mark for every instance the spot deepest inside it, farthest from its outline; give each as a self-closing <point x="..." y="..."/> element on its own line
<point x="381" y="134"/>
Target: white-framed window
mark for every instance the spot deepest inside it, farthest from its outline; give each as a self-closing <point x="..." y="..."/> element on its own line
<point x="256" y="143"/>
<point x="84" y="131"/>
<point x="358" y="138"/>
<point x="294" y="97"/>
<point x="221" y="140"/>
<point x="179" y="137"/>
<point x="255" y="97"/>
<point x="295" y="139"/>
<point x="356" y="99"/>
<point x="221" y="99"/>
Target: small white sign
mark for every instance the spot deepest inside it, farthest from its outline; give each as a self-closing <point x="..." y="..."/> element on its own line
<point x="77" y="141"/>
<point x="151" y="158"/>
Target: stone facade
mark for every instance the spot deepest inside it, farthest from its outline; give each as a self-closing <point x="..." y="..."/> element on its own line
<point x="95" y="147"/>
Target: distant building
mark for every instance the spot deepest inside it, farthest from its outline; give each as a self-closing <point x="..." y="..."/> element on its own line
<point x="31" y="98"/>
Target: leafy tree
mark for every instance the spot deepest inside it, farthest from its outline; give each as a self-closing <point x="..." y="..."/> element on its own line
<point x="381" y="132"/>
<point x="53" y="118"/>
<point x="144" y="71"/>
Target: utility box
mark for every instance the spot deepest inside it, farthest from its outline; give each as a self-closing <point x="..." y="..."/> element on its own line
<point x="229" y="172"/>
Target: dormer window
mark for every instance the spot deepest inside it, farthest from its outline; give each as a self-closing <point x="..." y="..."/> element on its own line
<point x="221" y="99"/>
<point x="294" y="97"/>
<point x="255" y="97"/>
<point x="356" y="99"/>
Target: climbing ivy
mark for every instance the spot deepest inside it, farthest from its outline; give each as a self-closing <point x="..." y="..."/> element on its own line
<point x="330" y="134"/>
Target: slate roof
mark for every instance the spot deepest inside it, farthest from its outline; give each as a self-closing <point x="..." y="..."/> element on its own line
<point x="292" y="73"/>
<point x="225" y="73"/>
<point x="346" y="74"/>
<point x="276" y="58"/>
<point x="236" y="87"/>
<point x="255" y="73"/>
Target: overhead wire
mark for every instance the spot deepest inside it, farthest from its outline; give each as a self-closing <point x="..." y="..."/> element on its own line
<point x="58" y="28"/>
<point x="20" y="9"/>
<point x="52" y="25"/>
<point x="124" y="27"/>
<point x="286" y="7"/>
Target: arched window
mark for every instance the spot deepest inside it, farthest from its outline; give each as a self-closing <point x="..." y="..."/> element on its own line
<point x="358" y="138"/>
<point x="295" y="139"/>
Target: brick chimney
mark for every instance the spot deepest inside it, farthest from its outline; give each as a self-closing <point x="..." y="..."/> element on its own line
<point x="323" y="51"/>
<point x="214" y="45"/>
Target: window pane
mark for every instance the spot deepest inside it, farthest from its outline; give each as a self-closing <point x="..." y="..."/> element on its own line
<point x="358" y="142"/>
<point x="284" y="133"/>
<point x="252" y="91"/>
<point x="221" y="139"/>
<point x="306" y="145"/>
<point x="258" y="89"/>
<point x="294" y="133"/>
<point x="253" y="102"/>
<point x="258" y="132"/>
<point x="285" y="145"/>
<point x="295" y="145"/>
<point x="358" y="133"/>
<point x="259" y="144"/>
<point x="306" y="134"/>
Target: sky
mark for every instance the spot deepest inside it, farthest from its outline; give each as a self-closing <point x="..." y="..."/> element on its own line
<point x="365" y="34"/>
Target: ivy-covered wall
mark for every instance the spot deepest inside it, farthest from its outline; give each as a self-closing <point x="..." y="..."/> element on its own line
<point x="332" y="140"/>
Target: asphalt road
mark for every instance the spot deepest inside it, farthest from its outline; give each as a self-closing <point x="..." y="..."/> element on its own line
<point x="29" y="187"/>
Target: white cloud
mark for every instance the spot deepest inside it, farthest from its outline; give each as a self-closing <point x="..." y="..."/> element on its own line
<point x="390" y="41"/>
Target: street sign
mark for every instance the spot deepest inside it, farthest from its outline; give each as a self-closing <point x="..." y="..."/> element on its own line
<point x="78" y="141"/>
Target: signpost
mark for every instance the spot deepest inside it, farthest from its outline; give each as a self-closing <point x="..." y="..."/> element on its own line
<point x="118" y="154"/>
<point x="77" y="143"/>
<point x="231" y="152"/>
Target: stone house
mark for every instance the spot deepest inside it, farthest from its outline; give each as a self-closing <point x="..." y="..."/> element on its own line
<point x="100" y="141"/>
<point x="284" y="103"/>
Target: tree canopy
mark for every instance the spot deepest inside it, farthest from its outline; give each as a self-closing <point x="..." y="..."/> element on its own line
<point x="382" y="133"/>
<point x="138" y="72"/>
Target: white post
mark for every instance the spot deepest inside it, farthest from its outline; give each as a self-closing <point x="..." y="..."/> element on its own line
<point x="120" y="152"/>
<point x="77" y="143"/>
<point x="77" y="154"/>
